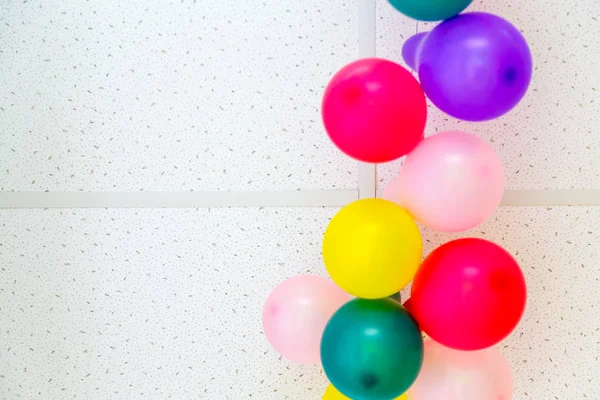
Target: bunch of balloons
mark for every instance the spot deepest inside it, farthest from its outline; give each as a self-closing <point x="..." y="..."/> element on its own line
<point x="468" y="294"/>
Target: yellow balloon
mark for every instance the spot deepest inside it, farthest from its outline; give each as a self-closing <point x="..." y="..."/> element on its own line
<point x="333" y="394"/>
<point x="372" y="248"/>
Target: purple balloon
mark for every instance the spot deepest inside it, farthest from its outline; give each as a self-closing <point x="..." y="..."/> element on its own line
<point x="475" y="66"/>
<point x="411" y="48"/>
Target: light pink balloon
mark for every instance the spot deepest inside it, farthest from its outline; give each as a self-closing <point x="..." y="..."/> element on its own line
<point x="462" y="375"/>
<point x="451" y="182"/>
<point x="296" y="313"/>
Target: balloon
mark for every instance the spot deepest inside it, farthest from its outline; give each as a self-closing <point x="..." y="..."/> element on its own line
<point x="451" y="182"/>
<point x="295" y="315"/>
<point x="462" y="375"/>
<point x="374" y="110"/>
<point x="372" y="349"/>
<point x="468" y="294"/>
<point x="372" y="248"/>
<point x="430" y="10"/>
<point x="411" y="49"/>
<point x="333" y="394"/>
<point x="474" y="67"/>
<point x="393" y="191"/>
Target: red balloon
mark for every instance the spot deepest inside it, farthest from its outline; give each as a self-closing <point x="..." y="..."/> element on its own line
<point x="468" y="294"/>
<point x="374" y="110"/>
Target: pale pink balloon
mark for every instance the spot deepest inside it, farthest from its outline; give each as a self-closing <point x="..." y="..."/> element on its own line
<point x="451" y="182"/>
<point x="392" y="190"/>
<point x="296" y="313"/>
<point x="462" y="375"/>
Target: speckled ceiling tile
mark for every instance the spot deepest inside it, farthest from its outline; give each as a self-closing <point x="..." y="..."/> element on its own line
<point x="158" y="304"/>
<point x="551" y="139"/>
<point x="171" y="95"/>
<point x="150" y="304"/>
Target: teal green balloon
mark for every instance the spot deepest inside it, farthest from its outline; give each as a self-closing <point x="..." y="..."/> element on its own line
<point x="430" y="10"/>
<point x="372" y="349"/>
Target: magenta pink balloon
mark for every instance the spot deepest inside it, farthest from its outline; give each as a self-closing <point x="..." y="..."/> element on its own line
<point x="296" y="313"/>
<point x="462" y="375"/>
<point x="451" y="182"/>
